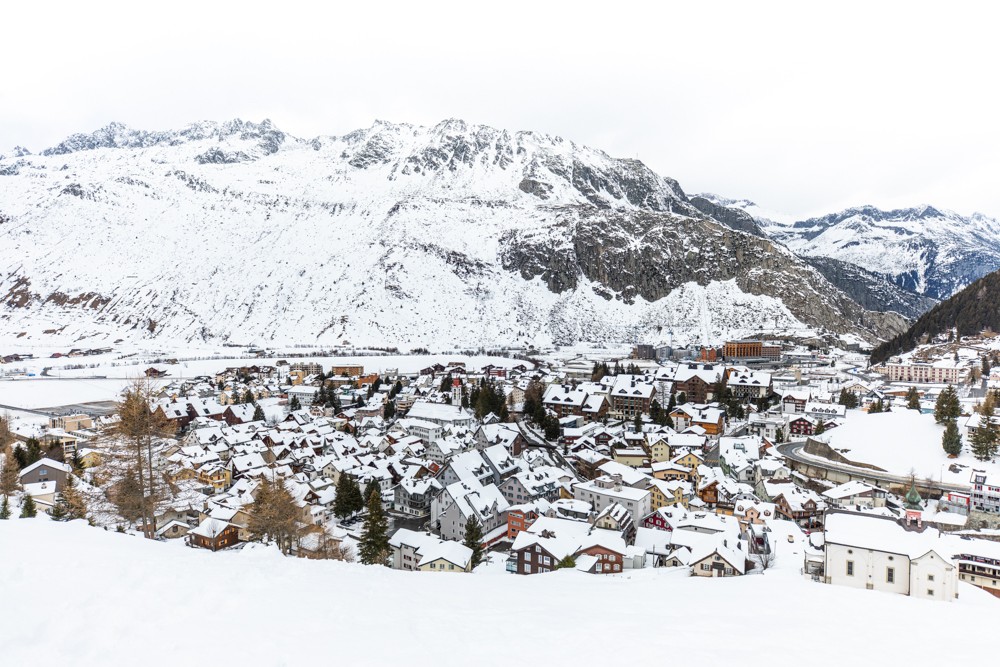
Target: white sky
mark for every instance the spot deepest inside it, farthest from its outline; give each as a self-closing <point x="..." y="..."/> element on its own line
<point x="800" y="107"/>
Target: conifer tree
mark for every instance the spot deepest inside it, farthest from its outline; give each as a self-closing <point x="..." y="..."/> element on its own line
<point x="59" y="512"/>
<point x="984" y="442"/>
<point x="4" y="509"/>
<point x="474" y="540"/>
<point x="342" y="507"/>
<point x="848" y="399"/>
<point x="373" y="548"/>
<point x="947" y="406"/>
<point x="912" y="399"/>
<point x="357" y="497"/>
<point x="951" y="441"/>
<point x="28" y="509"/>
<point x="294" y="404"/>
<point x="637" y="423"/>
<point x="258" y="413"/>
<point x="820" y="428"/>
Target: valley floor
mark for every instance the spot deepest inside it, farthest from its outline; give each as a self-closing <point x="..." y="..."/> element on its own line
<point x="81" y="596"/>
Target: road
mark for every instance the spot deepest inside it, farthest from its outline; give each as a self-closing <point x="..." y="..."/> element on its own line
<point x="793" y="451"/>
<point x="535" y="440"/>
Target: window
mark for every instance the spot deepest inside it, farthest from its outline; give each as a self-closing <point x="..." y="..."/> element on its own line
<point x="890" y="575"/>
<point x="705" y="567"/>
<point x="729" y="571"/>
<point x="930" y="592"/>
<point x="600" y="568"/>
<point x="930" y="577"/>
<point x="527" y="568"/>
<point x="850" y="568"/>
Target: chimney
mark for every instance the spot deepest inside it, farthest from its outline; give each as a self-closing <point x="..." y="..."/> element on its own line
<point x="617" y="479"/>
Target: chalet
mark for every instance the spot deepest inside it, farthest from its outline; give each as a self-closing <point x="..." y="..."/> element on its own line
<point x="616" y="518"/>
<point x="45" y="470"/>
<point x="724" y="557"/>
<point x="795" y="401"/>
<point x="550" y="542"/>
<point x="422" y="552"/>
<point x="213" y="534"/>
<point x="806" y="425"/>
<point x="710" y="418"/>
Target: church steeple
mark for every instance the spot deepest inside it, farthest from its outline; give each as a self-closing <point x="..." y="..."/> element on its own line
<point x="914" y="508"/>
<point x="913" y="499"/>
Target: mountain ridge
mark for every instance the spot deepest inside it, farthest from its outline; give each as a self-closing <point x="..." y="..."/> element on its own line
<point x="452" y="234"/>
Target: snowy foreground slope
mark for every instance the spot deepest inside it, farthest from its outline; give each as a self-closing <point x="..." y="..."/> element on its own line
<point x="452" y="235"/>
<point x="78" y="595"/>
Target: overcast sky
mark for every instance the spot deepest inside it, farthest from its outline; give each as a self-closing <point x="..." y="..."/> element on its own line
<point x="801" y="110"/>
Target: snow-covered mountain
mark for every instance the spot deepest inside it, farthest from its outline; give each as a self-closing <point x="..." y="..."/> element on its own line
<point x="924" y="250"/>
<point x="455" y="234"/>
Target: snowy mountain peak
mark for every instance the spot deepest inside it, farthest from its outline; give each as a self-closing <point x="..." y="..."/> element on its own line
<point x="454" y="234"/>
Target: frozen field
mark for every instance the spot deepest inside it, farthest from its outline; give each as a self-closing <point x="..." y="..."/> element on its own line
<point x="79" y="385"/>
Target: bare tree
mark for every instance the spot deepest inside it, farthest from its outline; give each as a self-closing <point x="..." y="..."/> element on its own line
<point x="764" y="558"/>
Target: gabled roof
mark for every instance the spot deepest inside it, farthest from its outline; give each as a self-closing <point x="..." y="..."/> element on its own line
<point x="46" y="463"/>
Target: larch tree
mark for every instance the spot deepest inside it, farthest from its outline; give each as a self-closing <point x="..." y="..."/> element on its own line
<point x="76" y="502"/>
<point x="8" y="472"/>
<point x="373" y="488"/>
<point x="274" y="515"/>
<point x="135" y="436"/>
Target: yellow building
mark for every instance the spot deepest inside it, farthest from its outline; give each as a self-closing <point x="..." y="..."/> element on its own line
<point x="443" y="565"/>
<point x="664" y="494"/>
<point x="659" y="450"/>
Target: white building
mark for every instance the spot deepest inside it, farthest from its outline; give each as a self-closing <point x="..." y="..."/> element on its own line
<point x="877" y="553"/>
<point x="940" y="372"/>
<point x="985" y="491"/>
<point x="449" y="416"/>
<point x="606" y="489"/>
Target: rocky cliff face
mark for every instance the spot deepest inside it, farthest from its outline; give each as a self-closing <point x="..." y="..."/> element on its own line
<point x="871" y="291"/>
<point x="451" y="235"/>
<point x="649" y="255"/>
